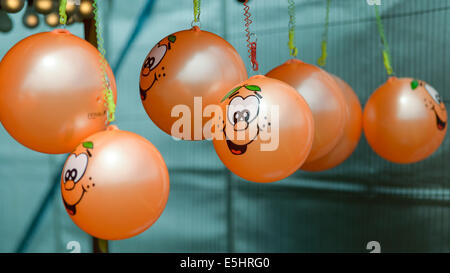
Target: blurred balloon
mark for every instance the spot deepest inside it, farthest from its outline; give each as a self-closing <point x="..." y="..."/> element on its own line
<point x="5" y="22"/>
<point x="52" y="19"/>
<point x="115" y="184"/>
<point x="266" y="130"/>
<point x="349" y="140"/>
<point x="30" y="18"/>
<point x="45" y="6"/>
<point x="187" y="64"/>
<point x="71" y="8"/>
<point x="405" y="120"/>
<point x="323" y="96"/>
<point x="51" y="91"/>
<point x="12" y="6"/>
<point x="86" y="9"/>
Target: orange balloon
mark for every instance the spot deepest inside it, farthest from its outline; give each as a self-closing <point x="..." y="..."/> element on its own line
<point x="352" y="133"/>
<point x="115" y="184"/>
<point x="51" y="91"/>
<point x="266" y="130"/>
<point x="187" y="64"/>
<point x="323" y="96"/>
<point x="405" y="120"/>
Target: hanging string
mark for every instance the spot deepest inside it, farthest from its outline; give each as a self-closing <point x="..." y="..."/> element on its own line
<point x="107" y="92"/>
<point x="62" y="12"/>
<point x="291" y="11"/>
<point x="386" y="52"/>
<point x="196" y="12"/>
<point x="322" y="61"/>
<point x="251" y="45"/>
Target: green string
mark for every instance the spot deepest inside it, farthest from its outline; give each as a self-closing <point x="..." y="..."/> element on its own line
<point x="386" y="52"/>
<point x="293" y="51"/>
<point x="197" y="10"/>
<point x="62" y="12"/>
<point x="108" y="94"/>
<point x="322" y="61"/>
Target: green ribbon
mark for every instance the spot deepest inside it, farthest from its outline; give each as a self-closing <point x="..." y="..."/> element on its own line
<point x="197" y="10"/>
<point x="293" y="51"/>
<point x="322" y="61"/>
<point x="386" y="52"/>
<point x="107" y="92"/>
<point x="62" y="12"/>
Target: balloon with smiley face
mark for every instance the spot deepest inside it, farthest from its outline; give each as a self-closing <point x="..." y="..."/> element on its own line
<point x="52" y="92"/>
<point x="266" y="130"/>
<point x="352" y="133"/>
<point x="186" y="65"/>
<point x="115" y="184"/>
<point x="405" y="120"/>
<point x="323" y="96"/>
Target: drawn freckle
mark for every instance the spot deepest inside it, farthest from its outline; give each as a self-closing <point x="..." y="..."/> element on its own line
<point x="93" y="184"/>
<point x="164" y="74"/>
<point x="90" y="178"/>
<point x="162" y="68"/>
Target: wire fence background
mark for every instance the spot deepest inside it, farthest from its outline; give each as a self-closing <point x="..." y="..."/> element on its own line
<point x="404" y="207"/>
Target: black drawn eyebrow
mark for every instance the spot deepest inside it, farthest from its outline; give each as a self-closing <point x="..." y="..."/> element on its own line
<point x="233" y="95"/>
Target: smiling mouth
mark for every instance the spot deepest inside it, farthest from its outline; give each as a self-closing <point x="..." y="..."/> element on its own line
<point x="440" y="124"/>
<point x="72" y="209"/>
<point x="144" y="91"/>
<point x="237" y="149"/>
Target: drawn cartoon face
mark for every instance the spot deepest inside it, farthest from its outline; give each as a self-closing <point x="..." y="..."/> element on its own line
<point x="74" y="184"/>
<point x="265" y="130"/>
<point x="115" y="184"/>
<point x="151" y="70"/>
<point x="433" y="101"/>
<point x="241" y="126"/>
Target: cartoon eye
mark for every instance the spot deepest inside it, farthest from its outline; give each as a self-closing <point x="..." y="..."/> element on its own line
<point x="241" y="109"/>
<point x="155" y="57"/>
<point x="75" y="167"/>
<point x="433" y="93"/>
